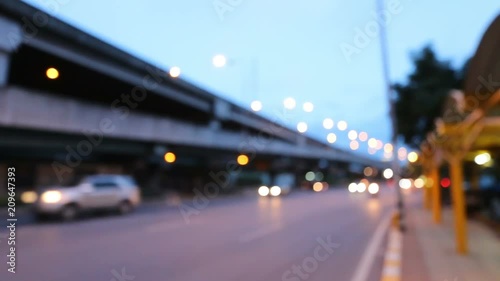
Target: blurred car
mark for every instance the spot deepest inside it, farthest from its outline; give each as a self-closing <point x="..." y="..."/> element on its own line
<point x="365" y="186"/>
<point x="283" y="184"/>
<point x="91" y="193"/>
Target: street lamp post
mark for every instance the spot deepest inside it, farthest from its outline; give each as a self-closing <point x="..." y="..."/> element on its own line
<point x="392" y="113"/>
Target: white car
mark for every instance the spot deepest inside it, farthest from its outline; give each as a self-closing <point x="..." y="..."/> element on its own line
<point x="97" y="192"/>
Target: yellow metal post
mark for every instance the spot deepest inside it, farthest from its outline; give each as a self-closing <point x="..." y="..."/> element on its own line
<point x="459" y="207"/>
<point x="427" y="195"/>
<point x="436" y="194"/>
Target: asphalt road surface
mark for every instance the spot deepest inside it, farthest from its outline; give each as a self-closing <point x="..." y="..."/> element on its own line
<point x="305" y="236"/>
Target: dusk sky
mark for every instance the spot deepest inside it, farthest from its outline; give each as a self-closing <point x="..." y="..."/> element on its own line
<point x="298" y="46"/>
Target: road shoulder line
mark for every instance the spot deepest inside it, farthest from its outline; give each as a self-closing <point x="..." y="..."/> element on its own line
<point x="393" y="256"/>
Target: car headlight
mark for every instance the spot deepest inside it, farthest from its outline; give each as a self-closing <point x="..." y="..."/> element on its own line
<point x="353" y="187"/>
<point x="51" y="196"/>
<point x="373" y="188"/>
<point x="263" y="190"/>
<point x="275" y="190"/>
<point x="361" y="187"/>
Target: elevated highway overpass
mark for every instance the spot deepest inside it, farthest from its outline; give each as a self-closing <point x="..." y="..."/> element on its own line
<point x="108" y="107"/>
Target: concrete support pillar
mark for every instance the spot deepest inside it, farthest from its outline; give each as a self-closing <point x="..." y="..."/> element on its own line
<point x="459" y="207"/>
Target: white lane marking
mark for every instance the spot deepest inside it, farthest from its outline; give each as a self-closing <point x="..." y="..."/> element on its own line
<point x="366" y="263"/>
<point x="258" y="234"/>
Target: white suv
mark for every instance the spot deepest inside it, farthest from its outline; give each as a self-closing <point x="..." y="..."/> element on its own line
<point x="97" y="192"/>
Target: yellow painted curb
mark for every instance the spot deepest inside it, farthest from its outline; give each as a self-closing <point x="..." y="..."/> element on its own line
<point x="392" y="269"/>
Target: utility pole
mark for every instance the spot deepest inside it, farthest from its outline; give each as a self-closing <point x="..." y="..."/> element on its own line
<point x="392" y="113"/>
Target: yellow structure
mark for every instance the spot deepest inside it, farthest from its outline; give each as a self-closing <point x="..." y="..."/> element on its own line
<point x="470" y="124"/>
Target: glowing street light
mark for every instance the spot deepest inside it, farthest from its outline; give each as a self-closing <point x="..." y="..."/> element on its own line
<point x="354" y="145"/>
<point x="289" y="103"/>
<point x="175" y="72"/>
<point x="52" y="73"/>
<point x="331" y="138"/>
<point x="402" y="153"/>
<point x="352" y="135"/>
<point x="256" y="105"/>
<point x="328" y="123"/>
<point x="363" y="136"/>
<point x="412" y="157"/>
<point x="483" y="158"/>
<point x="372" y="143"/>
<point x="342" y="125"/>
<point x="388" y="148"/>
<point x="242" y="159"/>
<point x="380" y="145"/>
<point x="219" y="61"/>
<point x="308" y="107"/>
<point x="169" y="157"/>
<point x="302" y="127"/>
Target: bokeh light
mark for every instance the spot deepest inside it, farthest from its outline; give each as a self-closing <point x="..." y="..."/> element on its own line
<point x="412" y="157"/>
<point x="289" y="103"/>
<point x="169" y="157"/>
<point x="242" y="159"/>
<point x="342" y="125"/>
<point x="175" y="71"/>
<point x="302" y="127"/>
<point x="219" y="60"/>
<point x="388" y="173"/>
<point x="308" y="107"/>
<point x="256" y="105"/>
<point x="363" y="136"/>
<point x="328" y="123"/>
<point x="331" y="138"/>
<point x="354" y="145"/>
<point x="352" y="135"/>
<point x="52" y="73"/>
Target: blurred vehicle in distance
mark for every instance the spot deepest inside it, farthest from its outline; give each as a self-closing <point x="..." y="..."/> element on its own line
<point x="283" y="185"/>
<point x="364" y="186"/>
<point x="90" y="193"/>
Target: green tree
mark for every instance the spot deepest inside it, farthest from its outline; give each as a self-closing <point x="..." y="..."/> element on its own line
<point x="420" y="100"/>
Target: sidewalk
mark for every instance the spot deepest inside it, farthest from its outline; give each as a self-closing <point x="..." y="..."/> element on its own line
<point x="437" y="249"/>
